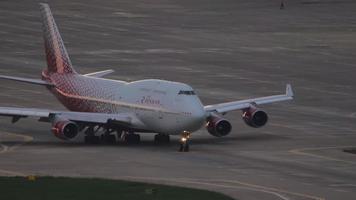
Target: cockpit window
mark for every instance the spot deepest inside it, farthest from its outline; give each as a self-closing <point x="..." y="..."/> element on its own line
<point x="187" y="92"/>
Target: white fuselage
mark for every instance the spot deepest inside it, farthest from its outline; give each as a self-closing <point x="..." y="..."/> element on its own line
<point x="156" y="105"/>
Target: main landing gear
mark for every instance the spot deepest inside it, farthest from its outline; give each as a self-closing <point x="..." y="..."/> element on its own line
<point x="106" y="137"/>
<point x="184" y="142"/>
<point x="90" y="137"/>
<point x="130" y="138"/>
<point x="162" y="138"/>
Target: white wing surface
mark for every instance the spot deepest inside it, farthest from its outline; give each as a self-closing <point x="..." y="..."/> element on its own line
<point x="242" y="104"/>
<point x="86" y="117"/>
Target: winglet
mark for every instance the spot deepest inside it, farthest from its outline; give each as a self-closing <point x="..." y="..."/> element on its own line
<point x="289" y="90"/>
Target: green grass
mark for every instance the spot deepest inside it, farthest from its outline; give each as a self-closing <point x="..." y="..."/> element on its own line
<point x="89" y="188"/>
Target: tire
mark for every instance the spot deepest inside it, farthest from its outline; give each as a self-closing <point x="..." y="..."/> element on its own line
<point x="137" y="138"/>
<point x="181" y="148"/>
<point x="162" y="139"/>
<point x="132" y="138"/>
<point x="92" y="139"/>
<point x="167" y="139"/>
<point x="186" y="148"/>
<point x="108" y="139"/>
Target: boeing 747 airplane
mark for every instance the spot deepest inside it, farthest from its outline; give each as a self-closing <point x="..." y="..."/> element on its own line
<point x="97" y="105"/>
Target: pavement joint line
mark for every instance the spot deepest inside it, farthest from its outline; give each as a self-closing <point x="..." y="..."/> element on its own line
<point x="212" y="184"/>
<point x="6" y="149"/>
<point x="248" y="186"/>
<point x="12" y="173"/>
<point x="26" y="91"/>
<point x="275" y="189"/>
<point x="343" y="185"/>
<point x="302" y="151"/>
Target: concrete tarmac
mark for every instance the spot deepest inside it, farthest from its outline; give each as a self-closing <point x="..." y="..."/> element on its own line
<point x="226" y="50"/>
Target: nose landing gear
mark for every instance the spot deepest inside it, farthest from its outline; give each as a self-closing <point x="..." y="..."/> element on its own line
<point x="184" y="142"/>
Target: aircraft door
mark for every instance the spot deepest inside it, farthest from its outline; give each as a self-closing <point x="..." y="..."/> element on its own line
<point x="178" y="103"/>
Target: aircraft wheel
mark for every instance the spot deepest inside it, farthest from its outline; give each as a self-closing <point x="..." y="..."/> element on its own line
<point x="184" y="142"/>
<point x="132" y="138"/>
<point x="137" y="138"/>
<point x="91" y="139"/>
<point x="184" y="147"/>
<point x="162" y="139"/>
<point x="108" y="139"/>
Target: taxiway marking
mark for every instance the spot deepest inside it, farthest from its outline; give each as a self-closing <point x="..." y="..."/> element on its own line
<point x="6" y="148"/>
<point x="302" y="151"/>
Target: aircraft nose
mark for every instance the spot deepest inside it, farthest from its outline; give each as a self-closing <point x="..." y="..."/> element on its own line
<point x="198" y="114"/>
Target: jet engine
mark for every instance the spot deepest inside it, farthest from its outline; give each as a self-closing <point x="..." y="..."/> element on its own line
<point x="218" y="126"/>
<point x="65" y="129"/>
<point x="254" y="117"/>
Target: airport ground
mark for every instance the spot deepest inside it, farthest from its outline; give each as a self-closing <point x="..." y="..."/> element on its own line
<point x="226" y="50"/>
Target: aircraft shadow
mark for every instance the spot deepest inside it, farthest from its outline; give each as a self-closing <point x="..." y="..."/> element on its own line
<point x="150" y="143"/>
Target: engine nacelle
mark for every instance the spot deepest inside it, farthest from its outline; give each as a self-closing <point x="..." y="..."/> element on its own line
<point x="255" y="117"/>
<point x="218" y="126"/>
<point x="65" y="129"/>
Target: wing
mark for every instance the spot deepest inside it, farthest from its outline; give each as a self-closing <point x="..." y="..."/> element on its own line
<point x="242" y="104"/>
<point x="100" y="73"/>
<point x="85" y="117"/>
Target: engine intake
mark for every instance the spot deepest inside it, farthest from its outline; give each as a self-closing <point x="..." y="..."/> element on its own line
<point x="255" y="117"/>
<point x="218" y="126"/>
<point x="65" y="130"/>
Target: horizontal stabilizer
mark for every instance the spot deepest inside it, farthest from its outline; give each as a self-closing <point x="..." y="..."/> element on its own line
<point x="27" y="80"/>
<point x="100" y="73"/>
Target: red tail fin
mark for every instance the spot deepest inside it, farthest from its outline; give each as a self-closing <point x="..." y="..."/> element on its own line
<point x="57" y="57"/>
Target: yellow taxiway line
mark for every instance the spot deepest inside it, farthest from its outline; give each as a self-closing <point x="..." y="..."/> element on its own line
<point x="6" y="149"/>
<point x="303" y="151"/>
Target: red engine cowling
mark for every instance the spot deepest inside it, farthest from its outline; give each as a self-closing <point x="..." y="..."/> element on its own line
<point x="218" y="126"/>
<point x="255" y="117"/>
<point x="65" y="130"/>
